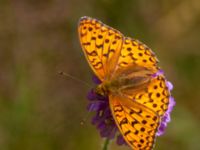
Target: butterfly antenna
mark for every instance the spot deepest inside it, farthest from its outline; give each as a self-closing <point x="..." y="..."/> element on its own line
<point x="82" y="122"/>
<point x="74" y="78"/>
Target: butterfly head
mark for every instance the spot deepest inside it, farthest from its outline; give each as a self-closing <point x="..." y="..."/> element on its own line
<point x="102" y="89"/>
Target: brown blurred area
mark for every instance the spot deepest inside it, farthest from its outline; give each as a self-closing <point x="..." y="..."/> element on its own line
<point x="39" y="109"/>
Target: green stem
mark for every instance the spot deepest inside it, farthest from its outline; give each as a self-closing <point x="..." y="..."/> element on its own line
<point x="106" y="143"/>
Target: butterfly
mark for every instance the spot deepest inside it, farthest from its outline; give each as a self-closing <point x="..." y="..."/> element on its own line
<point x="130" y="77"/>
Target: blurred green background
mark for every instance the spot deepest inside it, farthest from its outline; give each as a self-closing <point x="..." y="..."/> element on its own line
<point x="40" y="109"/>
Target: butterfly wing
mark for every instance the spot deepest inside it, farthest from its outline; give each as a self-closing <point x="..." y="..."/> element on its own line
<point x="137" y="123"/>
<point x="108" y="51"/>
<point x="135" y="53"/>
<point x="101" y="45"/>
<point x="155" y="96"/>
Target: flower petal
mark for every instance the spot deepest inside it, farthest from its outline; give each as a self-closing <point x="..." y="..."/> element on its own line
<point x="91" y="95"/>
<point x="169" y="85"/>
<point x="166" y="117"/>
<point x="120" y="140"/>
<point x="161" y="129"/>
<point x="159" y="72"/>
<point x="96" y="80"/>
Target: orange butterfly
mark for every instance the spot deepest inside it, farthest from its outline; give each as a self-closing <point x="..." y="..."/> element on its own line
<point x="138" y="92"/>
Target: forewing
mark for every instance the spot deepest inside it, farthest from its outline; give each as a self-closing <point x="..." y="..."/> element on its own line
<point x="101" y="45"/>
<point x="135" y="53"/>
<point x="137" y="123"/>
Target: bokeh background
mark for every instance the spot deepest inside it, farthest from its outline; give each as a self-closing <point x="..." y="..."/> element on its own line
<point x="39" y="109"/>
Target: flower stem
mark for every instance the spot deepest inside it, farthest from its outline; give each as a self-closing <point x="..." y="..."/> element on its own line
<point x="106" y="143"/>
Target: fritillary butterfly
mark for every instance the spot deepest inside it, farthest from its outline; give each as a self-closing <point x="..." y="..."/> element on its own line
<point x="138" y="94"/>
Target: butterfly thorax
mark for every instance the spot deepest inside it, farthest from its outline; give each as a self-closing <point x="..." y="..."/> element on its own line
<point x="131" y="80"/>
